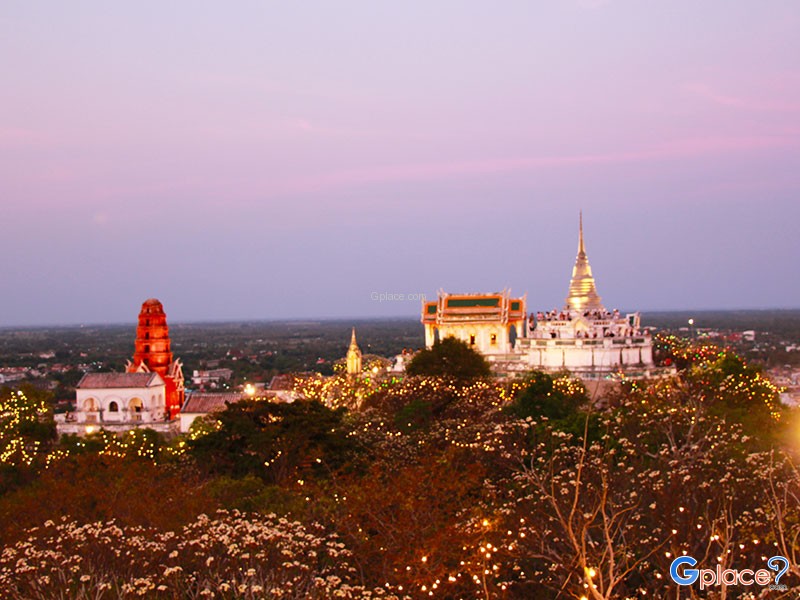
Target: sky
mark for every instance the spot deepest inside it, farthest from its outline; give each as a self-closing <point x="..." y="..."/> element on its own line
<point x="281" y="160"/>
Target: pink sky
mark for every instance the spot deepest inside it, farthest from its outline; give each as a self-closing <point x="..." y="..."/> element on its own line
<point x="270" y="160"/>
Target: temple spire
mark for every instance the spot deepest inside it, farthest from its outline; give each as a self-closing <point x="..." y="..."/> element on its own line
<point x="353" y="361"/>
<point x="582" y="293"/>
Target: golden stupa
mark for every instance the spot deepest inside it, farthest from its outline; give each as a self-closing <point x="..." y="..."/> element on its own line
<point x="582" y="294"/>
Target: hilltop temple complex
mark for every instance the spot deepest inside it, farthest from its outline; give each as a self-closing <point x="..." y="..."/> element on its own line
<point x="583" y="337"/>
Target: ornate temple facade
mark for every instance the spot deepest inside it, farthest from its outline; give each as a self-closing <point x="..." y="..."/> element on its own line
<point x="583" y="337"/>
<point x="490" y="323"/>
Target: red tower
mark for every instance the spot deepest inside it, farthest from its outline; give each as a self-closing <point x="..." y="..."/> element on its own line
<point x="153" y="353"/>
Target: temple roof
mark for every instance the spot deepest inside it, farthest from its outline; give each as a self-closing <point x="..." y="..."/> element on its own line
<point x="202" y="402"/>
<point x="582" y="293"/>
<point x="119" y="380"/>
<point x="281" y="383"/>
<point x="499" y="307"/>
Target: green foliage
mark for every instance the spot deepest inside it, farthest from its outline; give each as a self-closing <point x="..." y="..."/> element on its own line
<point x="415" y="402"/>
<point x="252" y="494"/>
<point x="278" y="442"/>
<point x="449" y="358"/>
<point x="543" y="396"/>
<point x="91" y="443"/>
<point x="735" y="390"/>
<point x="27" y="432"/>
<point x="137" y="443"/>
<point x="417" y="413"/>
<point x="202" y="426"/>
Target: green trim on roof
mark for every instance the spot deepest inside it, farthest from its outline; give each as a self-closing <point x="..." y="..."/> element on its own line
<point x="431" y="309"/>
<point x="515" y="305"/>
<point x="472" y="302"/>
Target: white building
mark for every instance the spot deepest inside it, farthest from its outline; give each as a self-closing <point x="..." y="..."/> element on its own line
<point x="118" y="402"/>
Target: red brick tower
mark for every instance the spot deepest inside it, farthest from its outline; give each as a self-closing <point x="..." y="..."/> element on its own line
<point x="153" y="353"/>
<point x="152" y="338"/>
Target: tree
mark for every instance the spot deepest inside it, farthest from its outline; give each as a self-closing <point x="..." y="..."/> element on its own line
<point x="279" y="442"/>
<point x="603" y="518"/>
<point x="732" y="387"/>
<point x="543" y="395"/>
<point x="27" y="432"/>
<point x="449" y="358"/>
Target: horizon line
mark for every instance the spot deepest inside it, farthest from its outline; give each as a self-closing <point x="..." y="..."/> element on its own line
<point x="356" y="319"/>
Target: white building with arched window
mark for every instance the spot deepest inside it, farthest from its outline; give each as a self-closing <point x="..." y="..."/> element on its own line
<point x="118" y="401"/>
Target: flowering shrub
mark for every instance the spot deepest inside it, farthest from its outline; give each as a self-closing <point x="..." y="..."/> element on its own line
<point x="230" y="555"/>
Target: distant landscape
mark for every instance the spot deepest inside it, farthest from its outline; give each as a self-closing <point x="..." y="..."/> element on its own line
<point x="258" y="350"/>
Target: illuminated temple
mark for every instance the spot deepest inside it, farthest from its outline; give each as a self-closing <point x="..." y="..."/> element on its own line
<point x="583" y="337"/>
<point x="149" y="394"/>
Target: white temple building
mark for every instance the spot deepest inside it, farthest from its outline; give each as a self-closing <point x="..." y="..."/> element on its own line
<point x="583" y="337"/>
<point x="117" y="402"/>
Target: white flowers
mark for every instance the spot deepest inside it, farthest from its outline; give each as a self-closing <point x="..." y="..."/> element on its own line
<point x="143" y="563"/>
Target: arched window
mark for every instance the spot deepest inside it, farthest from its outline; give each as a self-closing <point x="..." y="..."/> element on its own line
<point x="90" y="405"/>
<point x="136" y="405"/>
<point x="113" y="406"/>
